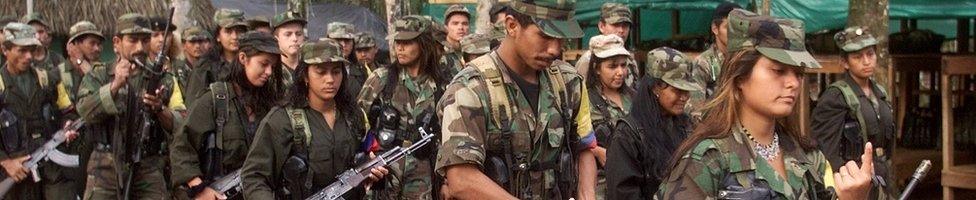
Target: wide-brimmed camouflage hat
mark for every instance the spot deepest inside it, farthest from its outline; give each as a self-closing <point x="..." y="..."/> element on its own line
<point x="261" y="41"/>
<point x="476" y="43"/>
<point x="409" y="27"/>
<point x="613" y="13"/>
<point x="364" y="40"/>
<point x="288" y="17"/>
<point x="84" y="28"/>
<point x="34" y="18"/>
<point x="20" y="34"/>
<point x="673" y="68"/>
<point x="132" y="23"/>
<point x="258" y="21"/>
<point x="456" y="9"/>
<point x="339" y="30"/>
<point x="854" y="39"/>
<point x="159" y="24"/>
<point x="322" y="51"/>
<point x="776" y="38"/>
<point x="228" y="18"/>
<point x="554" y="17"/>
<point x="605" y="46"/>
<point x="195" y="33"/>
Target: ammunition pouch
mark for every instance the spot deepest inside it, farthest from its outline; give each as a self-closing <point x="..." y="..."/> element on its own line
<point x="10" y="125"/>
<point x="732" y="189"/>
<point x="296" y="184"/>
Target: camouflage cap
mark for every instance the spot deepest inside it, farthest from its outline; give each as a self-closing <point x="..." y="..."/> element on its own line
<point x="227" y="18"/>
<point x="776" y="38"/>
<point x="854" y="39"/>
<point x="322" y="51"/>
<point x="672" y="67"/>
<point x="194" y="33"/>
<point x="288" y="17"/>
<point x="605" y="46"/>
<point x="476" y="43"/>
<point x="364" y="40"/>
<point x="34" y="17"/>
<point x="613" y="13"/>
<point x="132" y="23"/>
<point x="456" y="8"/>
<point x="409" y="27"/>
<point x="339" y="30"/>
<point x="21" y="34"/>
<point x="258" y="21"/>
<point x="159" y="24"/>
<point x="261" y="41"/>
<point x="554" y="17"/>
<point x="84" y="28"/>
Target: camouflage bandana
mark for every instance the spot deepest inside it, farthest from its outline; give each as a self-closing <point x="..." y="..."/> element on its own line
<point x="476" y="43"/>
<point x="261" y="41"/>
<point x="132" y="23"/>
<point x="339" y="30"/>
<point x="672" y="67"/>
<point x="854" y="39"/>
<point x="776" y="38"/>
<point x="322" y="51"/>
<point x="409" y="27"/>
<point x="287" y="17"/>
<point x="613" y="13"/>
<point x="554" y="17"/>
<point x="227" y="18"/>
<point x="365" y="40"/>
<point x="21" y="34"/>
<point x="83" y="28"/>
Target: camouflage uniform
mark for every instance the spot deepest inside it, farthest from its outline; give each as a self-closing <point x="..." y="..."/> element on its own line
<point x="729" y="167"/>
<point x="452" y="51"/>
<point x="708" y="67"/>
<point x="610" y="13"/>
<point x="842" y="126"/>
<point x="474" y="118"/>
<point x="213" y="68"/>
<point x="28" y="119"/>
<point x="606" y="113"/>
<point x="234" y="134"/>
<point x="108" y="115"/>
<point x="330" y="149"/>
<point x="279" y="20"/>
<point x="365" y="40"/>
<point x="51" y="59"/>
<point x="357" y="73"/>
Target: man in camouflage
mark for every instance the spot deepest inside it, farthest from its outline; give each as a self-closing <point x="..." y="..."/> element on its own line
<point x="345" y="34"/>
<point x="289" y="31"/>
<point x="615" y="19"/>
<point x="195" y="41"/>
<point x="519" y="104"/>
<point x="366" y="50"/>
<point x="44" y="58"/>
<point x="4" y="20"/>
<point x="28" y="117"/>
<point x="456" y="22"/>
<point x="213" y="68"/>
<point x="709" y="63"/>
<point x="109" y="94"/>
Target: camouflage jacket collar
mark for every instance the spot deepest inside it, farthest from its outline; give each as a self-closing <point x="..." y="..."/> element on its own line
<point x="794" y="158"/>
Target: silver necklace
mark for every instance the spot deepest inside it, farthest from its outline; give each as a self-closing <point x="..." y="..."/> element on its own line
<point x="768" y="151"/>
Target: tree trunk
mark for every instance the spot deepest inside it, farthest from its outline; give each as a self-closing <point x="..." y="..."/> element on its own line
<point x="873" y="14"/>
<point x="483" y="22"/>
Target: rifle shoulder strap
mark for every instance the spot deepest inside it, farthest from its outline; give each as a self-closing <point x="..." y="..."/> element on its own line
<point x="220" y="101"/>
<point x="853" y="103"/>
<point x="302" y="135"/>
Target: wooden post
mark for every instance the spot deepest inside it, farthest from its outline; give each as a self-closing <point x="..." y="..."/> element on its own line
<point x="873" y="14"/>
<point x="483" y="24"/>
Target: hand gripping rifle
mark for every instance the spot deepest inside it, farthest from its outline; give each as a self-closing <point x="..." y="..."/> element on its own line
<point x="146" y="123"/>
<point x="48" y="151"/>
<point x="353" y="177"/>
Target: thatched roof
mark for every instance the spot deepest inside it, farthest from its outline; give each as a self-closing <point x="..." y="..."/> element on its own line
<point x="64" y="13"/>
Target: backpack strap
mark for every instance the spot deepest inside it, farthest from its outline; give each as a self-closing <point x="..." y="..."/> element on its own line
<point x="302" y="135"/>
<point x="219" y="92"/>
<point x="558" y="84"/>
<point x="500" y="107"/>
<point x="853" y="103"/>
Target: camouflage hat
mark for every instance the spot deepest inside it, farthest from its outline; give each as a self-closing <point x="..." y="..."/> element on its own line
<point x="287" y="17"/>
<point x="605" y="46"/>
<point x="554" y="17"/>
<point x="613" y="13"/>
<point x="322" y="51"/>
<point x="261" y="41"/>
<point x="776" y="38"/>
<point x="672" y="67"/>
<point x="21" y="34"/>
<point x="227" y="18"/>
<point x="196" y="33"/>
<point x="159" y="24"/>
<point x="132" y="23"/>
<point x="258" y="21"/>
<point x="409" y="27"/>
<point x="364" y="40"/>
<point x="476" y="43"/>
<point x="34" y="17"/>
<point x="84" y="28"/>
<point x="854" y="39"/>
<point x="456" y="8"/>
<point x="339" y="30"/>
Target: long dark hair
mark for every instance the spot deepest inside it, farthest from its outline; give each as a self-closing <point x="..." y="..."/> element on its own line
<point x="299" y="93"/>
<point x="723" y="110"/>
<point x="663" y="133"/>
<point x="259" y="99"/>
<point x="429" y="60"/>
